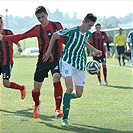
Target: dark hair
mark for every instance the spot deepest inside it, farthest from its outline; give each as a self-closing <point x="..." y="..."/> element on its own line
<point x="40" y="9"/>
<point x="90" y="17"/>
<point x="97" y="24"/>
<point x="1" y="16"/>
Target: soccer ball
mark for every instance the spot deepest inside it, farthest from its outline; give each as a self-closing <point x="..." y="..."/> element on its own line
<point x="93" y="67"/>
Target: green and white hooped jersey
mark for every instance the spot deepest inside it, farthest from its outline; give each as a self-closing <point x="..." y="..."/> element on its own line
<point x="74" y="51"/>
<point x="130" y="40"/>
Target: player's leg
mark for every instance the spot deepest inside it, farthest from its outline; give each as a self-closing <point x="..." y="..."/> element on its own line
<point x="99" y="73"/>
<point x="79" y="80"/>
<point x="66" y="71"/>
<point x="103" y="60"/>
<point x="66" y="100"/>
<point x="119" y="53"/>
<point x="39" y="75"/>
<point x="35" y="96"/>
<point x="132" y="59"/>
<point x="57" y="91"/>
<point x="123" y="54"/>
<point x="104" y="72"/>
<point x="6" y="72"/>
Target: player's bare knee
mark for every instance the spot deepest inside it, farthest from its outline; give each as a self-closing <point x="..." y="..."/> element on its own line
<point x="56" y="77"/>
<point x="36" y="89"/>
<point x="6" y="85"/>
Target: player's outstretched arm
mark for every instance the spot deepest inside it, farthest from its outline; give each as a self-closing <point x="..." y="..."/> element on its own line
<point x="51" y="43"/>
<point x="96" y="52"/>
<point x="13" y="38"/>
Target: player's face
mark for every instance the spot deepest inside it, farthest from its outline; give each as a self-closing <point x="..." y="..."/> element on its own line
<point x="1" y="24"/>
<point x="120" y="32"/>
<point x="42" y="18"/>
<point x="98" y="28"/>
<point x="87" y="25"/>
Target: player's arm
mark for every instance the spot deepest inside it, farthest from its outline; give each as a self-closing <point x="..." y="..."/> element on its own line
<point x="108" y="48"/>
<point x="96" y="52"/>
<point x="51" y="43"/>
<point x="16" y="38"/>
<point x="19" y="47"/>
<point x="13" y="38"/>
<point x="107" y="41"/>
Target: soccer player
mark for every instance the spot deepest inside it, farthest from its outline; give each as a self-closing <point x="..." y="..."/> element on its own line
<point x="129" y="41"/>
<point x="73" y="59"/>
<point x="6" y="61"/>
<point x="120" y="42"/>
<point x="97" y="40"/>
<point x="43" y="32"/>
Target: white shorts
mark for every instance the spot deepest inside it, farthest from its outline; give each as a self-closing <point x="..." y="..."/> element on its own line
<point x="67" y="70"/>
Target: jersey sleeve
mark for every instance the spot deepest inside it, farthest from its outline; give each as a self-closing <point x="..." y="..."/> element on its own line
<point x="16" y="38"/>
<point x="63" y="32"/>
<point x="10" y="33"/>
<point x="59" y="25"/>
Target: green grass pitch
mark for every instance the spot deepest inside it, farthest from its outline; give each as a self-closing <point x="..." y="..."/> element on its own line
<point x="101" y="109"/>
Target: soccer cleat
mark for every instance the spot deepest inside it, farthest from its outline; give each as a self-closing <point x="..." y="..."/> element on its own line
<point x="23" y="92"/>
<point x="124" y="63"/>
<point x="65" y="123"/>
<point x="59" y="113"/>
<point x="105" y="82"/>
<point x="36" y="110"/>
<point x="99" y="83"/>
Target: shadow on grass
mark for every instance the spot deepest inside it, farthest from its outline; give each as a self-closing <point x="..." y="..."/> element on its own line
<point x="79" y="128"/>
<point x="26" y="113"/>
<point x="120" y="87"/>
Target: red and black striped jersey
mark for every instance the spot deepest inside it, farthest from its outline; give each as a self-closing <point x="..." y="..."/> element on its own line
<point x="98" y="39"/>
<point x="43" y="35"/>
<point x="6" y="49"/>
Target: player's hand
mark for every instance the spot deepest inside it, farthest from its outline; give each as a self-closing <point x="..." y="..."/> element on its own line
<point x="108" y="54"/>
<point x="97" y="53"/>
<point x="47" y="55"/>
<point x="1" y="37"/>
<point x="20" y="50"/>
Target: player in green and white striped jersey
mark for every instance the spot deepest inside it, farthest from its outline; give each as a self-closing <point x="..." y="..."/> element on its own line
<point x="74" y="53"/>
<point x="129" y="41"/>
<point x="73" y="59"/>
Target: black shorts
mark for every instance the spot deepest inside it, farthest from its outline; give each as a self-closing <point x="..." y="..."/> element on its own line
<point x="101" y="58"/>
<point x="6" y="71"/>
<point x="120" y="50"/>
<point x="42" y="70"/>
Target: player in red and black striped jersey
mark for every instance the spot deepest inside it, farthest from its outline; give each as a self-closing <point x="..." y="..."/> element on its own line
<point x="6" y="61"/>
<point x="44" y="32"/>
<point x="98" y="39"/>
